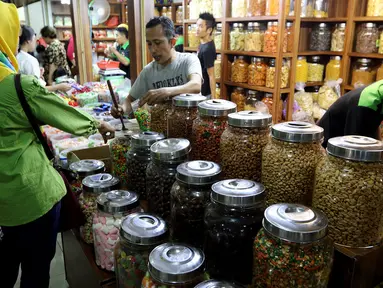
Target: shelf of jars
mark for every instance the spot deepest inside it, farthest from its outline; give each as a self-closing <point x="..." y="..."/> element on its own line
<point x="321" y="53"/>
<point x="368" y="19"/>
<point x="324" y="20"/>
<point x="256" y="54"/>
<point x="173" y="11"/>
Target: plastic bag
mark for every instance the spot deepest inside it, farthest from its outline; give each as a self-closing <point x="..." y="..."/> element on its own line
<point x="303" y="117"/>
<point x="295" y="108"/>
<point x="304" y="99"/>
<point x="329" y="93"/>
<point x="259" y="106"/>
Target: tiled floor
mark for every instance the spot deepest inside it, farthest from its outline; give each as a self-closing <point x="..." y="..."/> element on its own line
<point x="57" y="269"/>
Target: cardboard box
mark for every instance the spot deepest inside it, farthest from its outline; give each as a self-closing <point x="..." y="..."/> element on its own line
<point x="98" y="153"/>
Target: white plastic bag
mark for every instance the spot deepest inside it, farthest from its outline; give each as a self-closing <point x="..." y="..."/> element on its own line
<point x="304" y="99"/>
<point x="329" y="93"/>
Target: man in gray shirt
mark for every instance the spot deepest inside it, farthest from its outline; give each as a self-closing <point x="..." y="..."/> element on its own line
<point x="170" y="74"/>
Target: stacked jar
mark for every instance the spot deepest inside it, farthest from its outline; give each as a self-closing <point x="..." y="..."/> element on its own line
<point x="140" y="233"/>
<point x="217" y="10"/>
<point x="256" y="8"/>
<point x="301" y="72"/>
<point x="366" y="38"/>
<point x="138" y="159"/>
<point x="208" y="128"/>
<point x="333" y="68"/>
<point x="257" y="72"/>
<point x="254" y="37"/>
<point x="315" y="70"/>
<point x="270" y="43"/>
<point x="232" y="221"/>
<point x="169" y="13"/>
<point x="158" y="117"/>
<point x="307" y="8"/>
<point x="338" y="37"/>
<point x="375" y="8"/>
<point x="321" y="8"/>
<point x="119" y="147"/>
<point x="239" y="71"/>
<point x="320" y="37"/>
<point x="288" y="38"/>
<point x="111" y="208"/>
<point x="217" y="67"/>
<point x="349" y="189"/>
<point x="292" y="249"/>
<point x="242" y="142"/>
<point x="380" y="51"/>
<point x="238" y="8"/>
<point x="218" y="37"/>
<point x="238" y="96"/>
<point x="206" y="6"/>
<point x="363" y="73"/>
<point x="237" y="37"/>
<point x="189" y="196"/>
<point x="285" y="73"/>
<point x="270" y="74"/>
<point x="272" y="7"/>
<point x="289" y="162"/>
<point x="166" y="155"/>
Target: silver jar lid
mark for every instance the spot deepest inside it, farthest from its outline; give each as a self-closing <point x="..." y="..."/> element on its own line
<point x="170" y="149"/>
<point x="216" y="107"/>
<point x="87" y="167"/>
<point x="364" y="60"/>
<point x="295" y="223"/>
<point x="250" y="119"/>
<point x="370" y="25"/>
<point x="323" y="25"/>
<point x="188" y="100"/>
<point x="146" y="139"/>
<point x="117" y="201"/>
<point x="296" y="131"/>
<point x="172" y="263"/>
<point x="198" y="172"/>
<point x="218" y="284"/>
<point x="238" y="192"/>
<point x="341" y="25"/>
<point x="144" y="229"/>
<point x="100" y="183"/>
<point x="356" y="148"/>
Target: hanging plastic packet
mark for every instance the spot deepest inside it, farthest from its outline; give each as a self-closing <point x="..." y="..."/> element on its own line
<point x="304" y="99"/>
<point x="329" y="93"/>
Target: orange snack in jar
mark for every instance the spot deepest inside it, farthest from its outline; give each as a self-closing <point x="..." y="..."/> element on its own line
<point x="256" y="7"/>
<point x="257" y="72"/>
<point x="270" y="74"/>
<point x="271" y="38"/>
<point x="239" y="70"/>
<point x="268" y="100"/>
<point x="238" y="97"/>
<point x="288" y="39"/>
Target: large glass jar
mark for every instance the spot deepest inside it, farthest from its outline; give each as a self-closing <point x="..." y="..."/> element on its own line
<point x="363" y="73"/>
<point x="174" y="265"/>
<point x="257" y="72"/>
<point x="118" y="147"/>
<point x="111" y="208"/>
<point x="239" y="70"/>
<point x="338" y="37"/>
<point x="375" y="8"/>
<point x="366" y="38"/>
<point x="179" y="14"/>
<point x="164" y="11"/>
<point x="215" y="284"/>
<point x="333" y="68"/>
<point x="217" y="67"/>
<point x="315" y="70"/>
<point x="288" y="38"/>
<point x="292" y="249"/>
<point x="270" y="42"/>
<point x="189" y="196"/>
<point x="169" y="13"/>
<point x="92" y="187"/>
<point x="270" y="74"/>
<point x="321" y="8"/>
<point x="272" y="7"/>
<point x="218" y="37"/>
<point x="379" y="74"/>
<point x="217" y="10"/>
<point x="206" y="6"/>
<point x="194" y="41"/>
<point x="254" y="37"/>
<point x="307" y="8"/>
<point x="237" y="37"/>
<point x="232" y="221"/>
<point x="238" y="96"/>
<point x="242" y="142"/>
<point x="256" y="8"/>
<point x="161" y="173"/>
<point x="320" y="37"/>
<point x="217" y="91"/>
<point x="289" y="161"/>
<point x="285" y="73"/>
<point x="238" y="8"/>
<point x="138" y="159"/>
<point x="159" y="115"/>
<point x="208" y="128"/>
<point x="301" y="72"/>
<point x="194" y="9"/>
<point x="140" y="233"/>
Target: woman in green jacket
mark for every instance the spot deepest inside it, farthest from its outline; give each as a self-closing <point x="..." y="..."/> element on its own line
<point x="30" y="188"/>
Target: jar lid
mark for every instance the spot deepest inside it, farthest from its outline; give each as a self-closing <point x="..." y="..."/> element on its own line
<point x="216" y="107"/>
<point x="198" y="172"/>
<point x="357" y="148"/>
<point x="170" y="149"/>
<point x="257" y="24"/>
<point x="364" y="60"/>
<point x="240" y="25"/>
<point x="87" y="167"/>
<point x="173" y="263"/>
<point x="239" y="89"/>
<point x="296" y="131"/>
<point x="272" y="62"/>
<point x="301" y="57"/>
<point x="100" y="183"/>
<point x="217" y="284"/>
<point x="370" y="25"/>
<point x="322" y="25"/>
<point x="237" y="192"/>
<point x="146" y="139"/>
<point x="249" y="119"/>
<point x="289" y="24"/>
<point x="315" y="58"/>
<point x="117" y="201"/>
<point x="341" y="25"/>
<point x="235" y="25"/>
<point x="188" y="100"/>
<point x="336" y="58"/>
<point x="143" y="229"/>
<point x="241" y="57"/>
<point x="250" y="25"/>
<point x="295" y="223"/>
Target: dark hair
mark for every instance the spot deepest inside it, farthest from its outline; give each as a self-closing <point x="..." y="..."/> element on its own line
<point x="209" y="19"/>
<point x="26" y="34"/>
<point x="123" y="30"/>
<point x="48" y="32"/>
<point x="180" y="30"/>
<point x="165" y="22"/>
<point x="59" y="72"/>
<point x="40" y="49"/>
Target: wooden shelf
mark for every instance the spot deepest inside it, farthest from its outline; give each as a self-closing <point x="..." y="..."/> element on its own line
<point x="250" y="87"/>
<point x="315" y="53"/>
<point x="349" y="87"/>
<point x="256" y="54"/>
<point x="104" y="39"/>
<point x="251" y="19"/>
<point x="104" y="27"/>
<point x="366" y="55"/>
<point x="194" y="21"/>
<point x="63" y="27"/>
<point x="324" y="20"/>
<point x="368" y="19"/>
<point x="312" y="84"/>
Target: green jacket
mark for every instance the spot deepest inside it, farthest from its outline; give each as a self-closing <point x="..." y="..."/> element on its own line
<point x="29" y="185"/>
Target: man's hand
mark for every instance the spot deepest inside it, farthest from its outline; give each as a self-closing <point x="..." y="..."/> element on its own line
<point x="156" y="96"/>
<point x="117" y="112"/>
<point x="112" y="49"/>
<point x="63" y="87"/>
<point x="106" y="130"/>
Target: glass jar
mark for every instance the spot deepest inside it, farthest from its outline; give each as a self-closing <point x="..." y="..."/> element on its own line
<point x="232" y="220"/>
<point x="216" y="284"/>
<point x="174" y="265"/>
<point x="206" y="6"/>
<point x="161" y="173"/>
<point x="218" y="37"/>
<point x="118" y="147"/>
<point x="338" y="37"/>
<point x="270" y="42"/>
<point x="367" y="38"/>
<point x="307" y="8"/>
<point x="208" y="128"/>
<point x="138" y="159"/>
<point x="238" y="97"/>
<point x="292" y="249"/>
<point x="164" y="11"/>
<point x="379" y="74"/>
<point x="180" y="119"/>
<point x="189" y="196"/>
<point x="242" y="142"/>
<point x="217" y="67"/>
<point x="349" y="190"/>
<point x="320" y="37"/>
<point x="169" y="13"/>
<point x="158" y="117"/>
<point x="179" y="14"/>
<point x="194" y="9"/>
<point x="217" y="10"/>
<point x="254" y="37"/>
<point x="321" y="8"/>
<point x="289" y="161"/>
<point x="238" y="8"/>
<point x="254" y="103"/>
<point x="363" y="73"/>
<point x="333" y="68"/>
<point x="237" y="37"/>
<point x="92" y="187"/>
<point x="315" y="93"/>
<point x="217" y="91"/>
<point x="270" y="74"/>
<point x="111" y="208"/>
<point x="239" y="70"/>
<point x="285" y="73"/>
<point x="256" y="8"/>
<point x="257" y="72"/>
<point x="315" y="70"/>
<point x="375" y="8"/>
<point x="140" y="233"/>
<point x="301" y="73"/>
<point x="288" y="38"/>
<point x="194" y="41"/>
<point x="272" y="7"/>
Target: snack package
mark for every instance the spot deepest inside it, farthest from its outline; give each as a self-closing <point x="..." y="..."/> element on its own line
<point x="295" y="108"/>
<point x="329" y="93"/>
<point x="304" y="99"/>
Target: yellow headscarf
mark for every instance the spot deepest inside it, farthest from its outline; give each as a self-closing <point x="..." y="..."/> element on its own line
<point x="9" y="37"/>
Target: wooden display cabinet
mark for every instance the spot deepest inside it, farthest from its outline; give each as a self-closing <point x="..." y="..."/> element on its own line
<point x="174" y="7"/>
<point x="60" y="14"/>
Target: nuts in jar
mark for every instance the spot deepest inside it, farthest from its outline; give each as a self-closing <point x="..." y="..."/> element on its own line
<point x="363" y="73"/>
<point x="288" y="38"/>
<point x="320" y="38"/>
<point x="239" y="70"/>
<point x="239" y="98"/>
<point x="367" y="38"/>
<point x="257" y="72"/>
<point x="218" y="36"/>
<point x="217" y="67"/>
<point x="238" y="8"/>
<point x="158" y="115"/>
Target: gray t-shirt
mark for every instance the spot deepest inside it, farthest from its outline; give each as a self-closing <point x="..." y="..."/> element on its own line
<point x="155" y="76"/>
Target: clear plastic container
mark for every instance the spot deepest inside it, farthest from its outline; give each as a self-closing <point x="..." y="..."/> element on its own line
<point x="367" y="38"/>
<point x="271" y="38"/>
<point x="363" y="73"/>
<point x="238" y="8"/>
<point x="321" y="8"/>
<point x="349" y="190"/>
<point x="217" y="91"/>
<point x="119" y="147"/>
<point x="289" y="162"/>
<point x="333" y="68"/>
<point x="338" y="37"/>
<point x="164" y="11"/>
<point x="189" y="196"/>
<point x="238" y="96"/>
<point x="232" y="221"/>
<point x="217" y="67"/>
<point x="254" y="37"/>
<point x="242" y="143"/>
<point x="256" y="8"/>
<point x="239" y="70"/>
<point x="301" y="73"/>
<point x="158" y="117"/>
<point x="217" y="10"/>
<point x="270" y="74"/>
<point x="320" y="37"/>
<point x="292" y="249"/>
<point x="140" y="233"/>
<point x="257" y="72"/>
<point x="272" y="7"/>
<point x="315" y="69"/>
<point x="375" y="8"/>
<point x="237" y="37"/>
<point x="288" y="38"/>
<point x="379" y="74"/>
<point x="218" y="37"/>
<point x="307" y="8"/>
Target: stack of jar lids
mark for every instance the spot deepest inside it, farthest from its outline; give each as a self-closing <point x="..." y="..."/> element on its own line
<point x="146" y="139"/>
<point x="296" y="131"/>
<point x="170" y="149"/>
<point x="250" y="119"/>
<point x="188" y="100"/>
<point x="216" y="107"/>
<point x="84" y="168"/>
<point x="100" y="183"/>
<point x="117" y="201"/>
<point x="198" y="172"/>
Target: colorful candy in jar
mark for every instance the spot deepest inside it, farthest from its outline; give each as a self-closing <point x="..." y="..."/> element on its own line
<point x="119" y="147"/>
